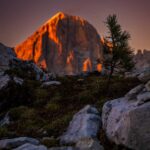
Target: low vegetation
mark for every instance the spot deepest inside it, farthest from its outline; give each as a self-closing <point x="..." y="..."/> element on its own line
<point x="41" y="112"/>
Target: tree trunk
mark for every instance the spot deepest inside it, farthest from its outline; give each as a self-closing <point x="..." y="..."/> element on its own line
<point x="109" y="79"/>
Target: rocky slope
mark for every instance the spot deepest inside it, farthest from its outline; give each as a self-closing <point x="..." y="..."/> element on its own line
<point x="6" y="54"/>
<point x="64" y="45"/>
<point x="142" y="60"/>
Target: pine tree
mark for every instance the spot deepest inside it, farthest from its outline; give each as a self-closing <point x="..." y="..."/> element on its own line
<point x="122" y="54"/>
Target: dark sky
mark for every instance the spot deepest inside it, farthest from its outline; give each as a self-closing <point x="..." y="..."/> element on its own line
<point x="20" y="18"/>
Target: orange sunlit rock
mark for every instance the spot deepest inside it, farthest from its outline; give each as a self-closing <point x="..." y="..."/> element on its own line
<point x="70" y="58"/>
<point x="43" y="64"/>
<point x="102" y="40"/>
<point x="61" y="44"/>
<point x="99" y="67"/>
<point x="87" y="65"/>
<point x="106" y="42"/>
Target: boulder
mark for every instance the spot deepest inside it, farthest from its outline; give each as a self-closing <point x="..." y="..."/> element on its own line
<point x="147" y="86"/>
<point x="5" y="120"/>
<point x="143" y="97"/>
<point x="18" y="80"/>
<point x="133" y="93"/>
<point x="85" y="124"/>
<point x="127" y="122"/>
<point x="30" y="68"/>
<point x="89" y="144"/>
<point x="65" y="44"/>
<point x="49" y="83"/>
<point x="145" y="76"/>
<point x="13" y="143"/>
<point x="4" y="80"/>
<point x="29" y="146"/>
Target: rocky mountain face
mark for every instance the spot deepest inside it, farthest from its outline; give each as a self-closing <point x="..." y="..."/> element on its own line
<point x="142" y="60"/>
<point x="6" y="54"/>
<point x="63" y="45"/>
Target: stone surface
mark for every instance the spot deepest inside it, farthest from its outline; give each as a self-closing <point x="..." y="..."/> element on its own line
<point x="64" y="45"/>
<point x="148" y="86"/>
<point x="5" y="120"/>
<point x="13" y="143"/>
<point x="4" y="80"/>
<point x="144" y="76"/>
<point x="143" y="97"/>
<point x="64" y="148"/>
<point x="85" y="124"/>
<point x="133" y="93"/>
<point x="18" y="80"/>
<point x="142" y="60"/>
<point x="89" y="144"/>
<point x="45" y="84"/>
<point x="6" y="54"/>
<point x="29" y="66"/>
<point x="29" y="146"/>
<point x="127" y="122"/>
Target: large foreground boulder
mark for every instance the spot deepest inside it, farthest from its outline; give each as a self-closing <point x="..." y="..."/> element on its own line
<point x="126" y="120"/>
<point x="85" y="124"/>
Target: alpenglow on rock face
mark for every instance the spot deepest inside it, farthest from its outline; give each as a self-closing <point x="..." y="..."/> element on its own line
<point x="63" y="45"/>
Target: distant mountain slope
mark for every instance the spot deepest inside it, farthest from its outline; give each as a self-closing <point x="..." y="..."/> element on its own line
<point x="142" y="60"/>
<point x="6" y="54"/>
<point x="64" y="45"/>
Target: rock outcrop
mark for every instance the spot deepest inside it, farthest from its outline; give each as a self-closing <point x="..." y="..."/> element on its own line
<point x="6" y="54"/>
<point x="127" y="120"/>
<point x="142" y="60"/>
<point x="49" y="83"/>
<point x="85" y="124"/>
<point x="89" y="144"/>
<point x="29" y="146"/>
<point x="63" y="45"/>
<point x="28" y="68"/>
<point x="16" y="142"/>
<point x="4" y="80"/>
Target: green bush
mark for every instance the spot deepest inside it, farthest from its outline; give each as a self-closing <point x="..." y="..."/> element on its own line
<point x="50" y="142"/>
<point x="17" y="113"/>
<point x="41" y="96"/>
<point x="56" y="127"/>
<point x="4" y="132"/>
<point x="56" y="97"/>
<point x="52" y="107"/>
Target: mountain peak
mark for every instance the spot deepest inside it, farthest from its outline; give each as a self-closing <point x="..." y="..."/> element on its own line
<point x="65" y="44"/>
<point x="59" y="14"/>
